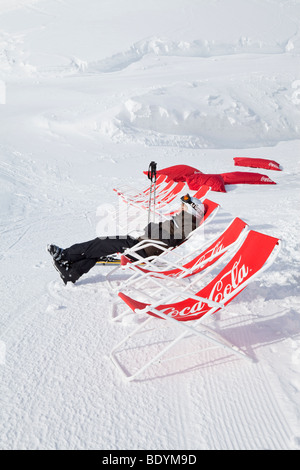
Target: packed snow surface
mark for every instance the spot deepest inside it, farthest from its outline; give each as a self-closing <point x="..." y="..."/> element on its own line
<point x="90" y="92"/>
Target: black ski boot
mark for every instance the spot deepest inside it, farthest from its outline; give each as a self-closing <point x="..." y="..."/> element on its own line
<point x="55" y="252"/>
<point x="67" y="273"/>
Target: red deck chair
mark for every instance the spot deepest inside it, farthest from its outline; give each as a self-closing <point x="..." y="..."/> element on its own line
<point x="211" y="211"/>
<point x="167" y="194"/>
<point x="137" y="209"/>
<point x="167" y="274"/>
<point x="189" y="310"/>
<point x="168" y="197"/>
<point x="210" y="208"/>
<point x="162" y="190"/>
<point x="190" y="264"/>
<point x="135" y="215"/>
<point x="200" y="194"/>
<point x="130" y="192"/>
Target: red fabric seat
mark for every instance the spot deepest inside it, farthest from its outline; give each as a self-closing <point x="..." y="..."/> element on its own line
<point x="257" y="163"/>
<point x="178" y="173"/>
<point x="246" y="177"/>
<point x="214" y="181"/>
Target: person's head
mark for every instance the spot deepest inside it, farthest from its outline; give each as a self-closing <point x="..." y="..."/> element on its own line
<point x="192" y="205"/>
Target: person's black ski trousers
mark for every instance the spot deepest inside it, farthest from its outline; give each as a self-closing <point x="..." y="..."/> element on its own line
<point x="83" y="256"/>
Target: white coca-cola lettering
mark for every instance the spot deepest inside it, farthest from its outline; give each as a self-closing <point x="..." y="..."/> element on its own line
<point x="196" y="307"/>
<point x="171" y="311"/>
<point x="224" y="286"/>
<point x="214" y="250"/>
<point x="265" y="178"/>
<point x="237" y="275"/>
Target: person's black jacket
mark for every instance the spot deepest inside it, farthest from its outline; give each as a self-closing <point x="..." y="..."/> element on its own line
<point x="172" y="232"/>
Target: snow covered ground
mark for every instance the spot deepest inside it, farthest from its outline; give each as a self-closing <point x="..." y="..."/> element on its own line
<point x="91" y="92"/>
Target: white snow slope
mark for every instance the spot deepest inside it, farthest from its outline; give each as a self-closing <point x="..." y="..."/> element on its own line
<point x="91" y="92"/>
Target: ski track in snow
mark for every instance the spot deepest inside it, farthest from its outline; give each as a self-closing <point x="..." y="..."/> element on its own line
<point x="91" y="116"/>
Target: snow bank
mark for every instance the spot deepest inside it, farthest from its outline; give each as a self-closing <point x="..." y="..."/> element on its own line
<point x="202" y="115"/>
<point x="163" y="47"/>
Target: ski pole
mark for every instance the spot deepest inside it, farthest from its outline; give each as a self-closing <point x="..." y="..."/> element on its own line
<point x="154" y="193"/>
<point x="152" y="178"/>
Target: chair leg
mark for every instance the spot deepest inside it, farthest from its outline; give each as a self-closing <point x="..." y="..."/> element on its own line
<point x="205" y="332"/>
<point x="113" y="353"/>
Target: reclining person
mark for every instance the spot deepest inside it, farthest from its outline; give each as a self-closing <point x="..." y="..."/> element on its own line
<point x="78" y="259"/>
